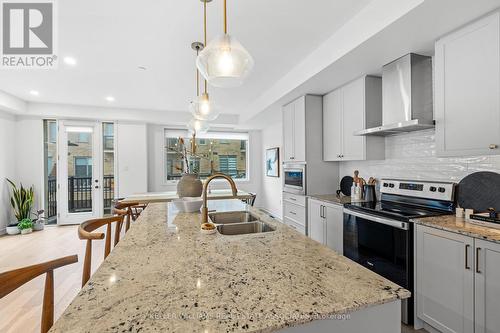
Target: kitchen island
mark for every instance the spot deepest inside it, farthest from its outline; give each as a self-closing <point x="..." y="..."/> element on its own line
<point x="166" y="276"/>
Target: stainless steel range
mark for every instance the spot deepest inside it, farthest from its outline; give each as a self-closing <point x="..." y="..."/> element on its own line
<point x="379" y="235"/>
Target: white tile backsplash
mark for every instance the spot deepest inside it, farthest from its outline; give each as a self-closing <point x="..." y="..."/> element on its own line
<point x="413" y="156"/>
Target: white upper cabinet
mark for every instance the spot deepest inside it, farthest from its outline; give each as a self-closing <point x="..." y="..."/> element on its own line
<point x="288" y="121"/>
<point x="351" y="108"/>
<point x="294" y="131"/>
<point x="467" y="89"/>
<point x="332" y="125"/>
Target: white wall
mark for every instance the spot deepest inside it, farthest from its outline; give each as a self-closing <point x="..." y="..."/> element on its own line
<point x="29" y="156"/>
<point x="413" y="156"/>
<point x="271" y="189"/>
<point x="132" y="158"/>
<point x="7" y="166"/>
<point x="156" y="175"/>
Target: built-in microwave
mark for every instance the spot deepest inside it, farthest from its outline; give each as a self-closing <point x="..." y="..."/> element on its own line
<point x="294" y="178"/>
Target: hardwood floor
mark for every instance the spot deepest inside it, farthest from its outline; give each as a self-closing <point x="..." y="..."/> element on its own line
<point x="21" y="310"/>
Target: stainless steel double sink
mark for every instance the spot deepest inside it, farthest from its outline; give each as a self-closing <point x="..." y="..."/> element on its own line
<point x="238" y="223"/>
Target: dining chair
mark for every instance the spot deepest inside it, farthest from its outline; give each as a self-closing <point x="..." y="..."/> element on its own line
<point x="250" y="201"/>
<point x="85" y="232"/>
<point x="134" y="209"/>
<point x="11" y="280"/>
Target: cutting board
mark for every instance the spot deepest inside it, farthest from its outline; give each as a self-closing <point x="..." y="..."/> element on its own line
<point x="479" y="191"/>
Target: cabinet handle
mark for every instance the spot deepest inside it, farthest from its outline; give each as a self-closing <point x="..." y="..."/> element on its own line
<point x="477" y="260"/>
<point x="293" y="199"/>
<point x="321" y="211"/>
<point x="293" y="213"/>
<point x="467" y="256"/>
<point x="493" y="146"/>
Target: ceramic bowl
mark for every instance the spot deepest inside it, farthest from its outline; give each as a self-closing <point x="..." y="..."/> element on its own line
<point x="188" y="204"/>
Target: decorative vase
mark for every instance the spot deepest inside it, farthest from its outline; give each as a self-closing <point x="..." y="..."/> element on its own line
<point x="13" y="229"/>
<point x="26" y="231"/>
<point x="189" y="186"/>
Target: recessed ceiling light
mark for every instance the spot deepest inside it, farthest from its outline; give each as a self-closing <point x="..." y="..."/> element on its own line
<point x="110" y="98"/>
<point x="34" y="93"/>
<point x="70" y="61"/>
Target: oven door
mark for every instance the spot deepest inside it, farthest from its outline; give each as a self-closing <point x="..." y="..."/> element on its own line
<point x="384" y="246"/>
<point x="294" y="180"/>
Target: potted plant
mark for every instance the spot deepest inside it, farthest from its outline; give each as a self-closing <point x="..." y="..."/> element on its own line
<point x="26" y="226"/>
<point x="22" y="203"/>
<point x="39" y="221"/>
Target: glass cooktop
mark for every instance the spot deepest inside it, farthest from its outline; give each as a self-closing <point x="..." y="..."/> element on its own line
<point x="397" y="211"/>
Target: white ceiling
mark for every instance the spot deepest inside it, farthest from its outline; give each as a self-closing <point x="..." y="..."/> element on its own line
<point x="111" y="38"/>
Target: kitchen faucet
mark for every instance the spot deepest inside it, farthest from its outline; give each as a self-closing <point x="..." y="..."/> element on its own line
<point x="204" y="210"/>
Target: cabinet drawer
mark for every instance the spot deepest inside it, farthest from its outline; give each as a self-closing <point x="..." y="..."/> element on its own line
<point x="295" y="199"/>
<point x="297" y="227"/>
<point x="295" y="212"/>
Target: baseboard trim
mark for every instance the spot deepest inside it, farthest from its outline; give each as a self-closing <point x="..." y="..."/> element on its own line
<point x="3" y="231"/>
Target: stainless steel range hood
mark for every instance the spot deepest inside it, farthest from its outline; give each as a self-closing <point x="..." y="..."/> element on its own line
<point x="406" y="95"/>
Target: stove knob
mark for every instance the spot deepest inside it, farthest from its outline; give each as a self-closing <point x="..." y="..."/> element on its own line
<point x="442" y="190"/>
<point x="432" y="189"/>
<point x="391" y="185"/>
<point x="386" y="185"/>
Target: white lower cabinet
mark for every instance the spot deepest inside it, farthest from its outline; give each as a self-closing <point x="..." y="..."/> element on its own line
<point x="487" y="287"/>
<point x="294" y="212"/>
<point x="445" y="280"/>
<point x="335" y="228"/>
<point x="458" y="282"/>
<point x="316" y="221"/>
<point x="326" y="224"/>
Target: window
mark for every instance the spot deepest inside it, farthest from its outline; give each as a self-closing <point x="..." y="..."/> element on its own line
<point x="228" y="164"/>
<point x="50" y="172"/>
<point x="52" y="131"/>
<point x="224" y="152"/>
<point x="83" y="137"/>
<point x="83" y="167"/>
<point x="108" y="136"/>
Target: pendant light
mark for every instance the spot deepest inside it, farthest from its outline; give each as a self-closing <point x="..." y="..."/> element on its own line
<point x="196" y="127"/>
<point x="202" y="107"/>
<point x="224" y="62"/>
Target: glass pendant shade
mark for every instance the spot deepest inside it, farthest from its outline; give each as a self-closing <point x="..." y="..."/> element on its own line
<point x="197" y="126"/>
<point x="224" y="62"/>
<point x="203" y="108"/>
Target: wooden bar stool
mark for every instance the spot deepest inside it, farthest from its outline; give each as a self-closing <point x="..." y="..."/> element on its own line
<point x="134" y="209"/>
<point x="11" y="280"/>
<point x="85" y="232"/>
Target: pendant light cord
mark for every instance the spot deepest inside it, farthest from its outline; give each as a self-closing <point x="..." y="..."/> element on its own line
<point x="225" y="17"/>
<point x="205" y="34"/>
<point x="197" y="76"/>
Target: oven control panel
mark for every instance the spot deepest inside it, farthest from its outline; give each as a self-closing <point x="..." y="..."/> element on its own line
<point x="421" y="189"/>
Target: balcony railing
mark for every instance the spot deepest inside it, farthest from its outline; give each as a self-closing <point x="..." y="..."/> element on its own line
<point x="79" y="194"/>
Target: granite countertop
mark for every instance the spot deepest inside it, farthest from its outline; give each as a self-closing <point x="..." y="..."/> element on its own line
<point x="166" y="276"/>
<point x="461" y="226"/>
<point x="331" y="198"/>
